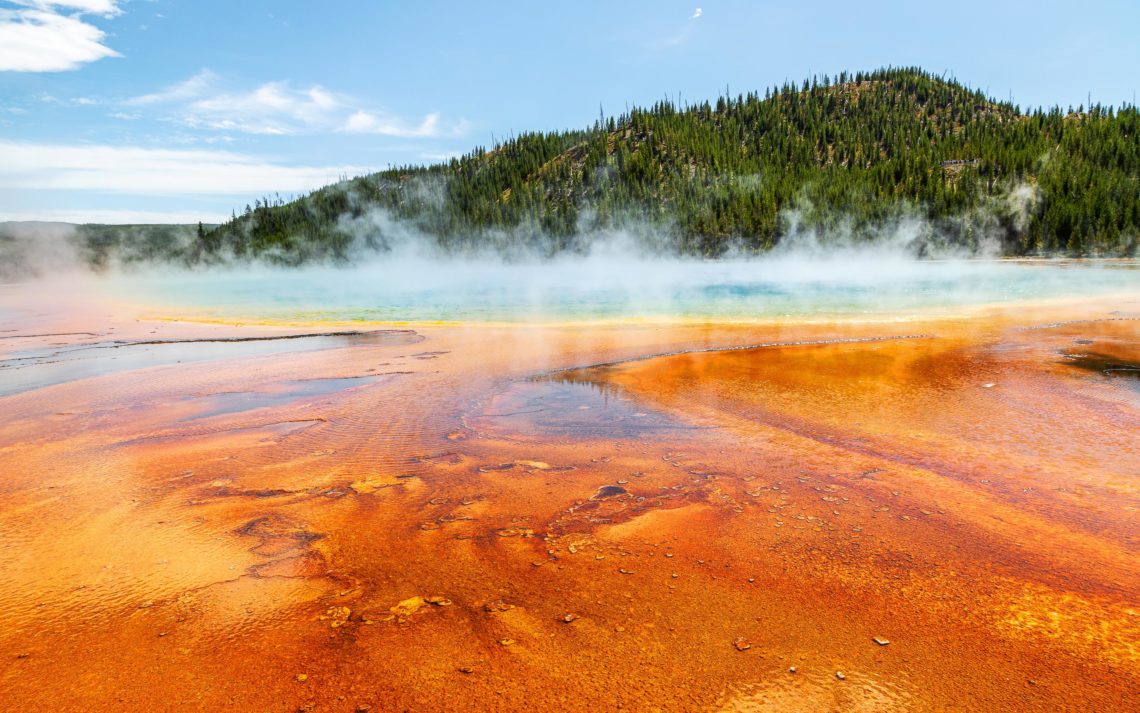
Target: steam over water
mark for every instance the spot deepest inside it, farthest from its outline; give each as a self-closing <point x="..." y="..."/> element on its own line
<point x="598" y="288"/>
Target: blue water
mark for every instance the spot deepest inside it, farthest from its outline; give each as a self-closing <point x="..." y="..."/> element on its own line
<point x="597" y="289"/>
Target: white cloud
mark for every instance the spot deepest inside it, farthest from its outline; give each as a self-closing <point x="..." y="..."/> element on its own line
<point x="278" y="108"/>
<point x="363" y="122"/>
<point x="115" y="217"/>
<point x="697" y="13"/>
<point x="441" y="156"/>
<point x="52" y="36"/>
<point x="146" y="171"/>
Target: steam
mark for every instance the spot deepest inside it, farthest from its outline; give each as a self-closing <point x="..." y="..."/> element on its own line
<point x="386" y="268"/>
<point x="33" y="250"/>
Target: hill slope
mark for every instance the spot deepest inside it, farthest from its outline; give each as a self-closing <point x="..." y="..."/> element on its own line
<point x="840" y="157"/>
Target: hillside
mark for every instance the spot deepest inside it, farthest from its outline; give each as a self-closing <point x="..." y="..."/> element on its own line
<point x="841" y="156"/>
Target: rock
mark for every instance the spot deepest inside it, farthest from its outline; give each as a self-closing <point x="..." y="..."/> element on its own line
<point x="146" y="605"/>
<point x="438" y="601"/>
<point x="880" y="642"/>
<point x="569" y="617"/>
<point x="609" y="491"/>
<point x="791" y="669"/>
<point x="466" y="669"/>
<point x="536" y="464"/>
<point x="497" y="606"/>
<point x="741" y="643"/>
<point x="493" y="468"/>
<point x="626" y="571"/>
<point x="373" y="483"/>
<point x="507" y="642"/>
<point x="302" y="677"/>
<point x="408" y="606"/>
<point x="840" y="676"/>
<point x="336" y="616"/>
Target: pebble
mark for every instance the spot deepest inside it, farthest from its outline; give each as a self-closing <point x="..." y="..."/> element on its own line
<point x="626" y="571"/>
<point x="466" y="669"/>
<point x="840" y="676"/>
<point x="880" y="642"/>
<point x="302" y="677"/>
<point x="507" y="642"/>
<point x="569" y="617"/>
<point x="741" y="643"/>
<point x="791" y="669"/>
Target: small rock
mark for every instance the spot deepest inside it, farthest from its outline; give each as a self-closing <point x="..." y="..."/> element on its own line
<point x="406" y="607"/>
<point x="146" y="605"/>
<point x="302" y="677"/>
<point x="626" y="571"/>
<point x="741" y="643"/>
<point x="791" y="669"/>
<point x="569" y="617"/>
<point x="675" y="575"/>
<point x="466" y="669"/>
<point x="840" y="676"/>
<point x="506" y="642"/>
<point x="880" y="642"/>
<point x="438" y="601"/>
<point x="609" y="491"/>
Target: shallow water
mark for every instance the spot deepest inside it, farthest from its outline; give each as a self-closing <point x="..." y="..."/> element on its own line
<point x="597" y="288"/>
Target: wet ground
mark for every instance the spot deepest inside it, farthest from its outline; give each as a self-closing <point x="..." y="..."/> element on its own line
<point x="924" y="514"/>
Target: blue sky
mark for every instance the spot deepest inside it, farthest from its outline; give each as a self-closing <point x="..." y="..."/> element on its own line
<point x="180" y="110"/>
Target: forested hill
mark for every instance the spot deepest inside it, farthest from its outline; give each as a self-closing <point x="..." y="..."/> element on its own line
<point x="842" y="156"/>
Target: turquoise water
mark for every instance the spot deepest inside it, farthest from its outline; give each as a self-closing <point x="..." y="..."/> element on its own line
<point x="588" y="289"/>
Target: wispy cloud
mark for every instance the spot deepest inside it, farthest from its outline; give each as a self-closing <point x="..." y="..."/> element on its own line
<point x="146" y="171"/>
<point x="52" y="35"/>
<point x="279" y="108"/>
<point x="187" y="89"/>
<point x="677" y="37"/>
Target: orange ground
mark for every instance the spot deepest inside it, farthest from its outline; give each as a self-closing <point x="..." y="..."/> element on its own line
<point x="405" y="520"/>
